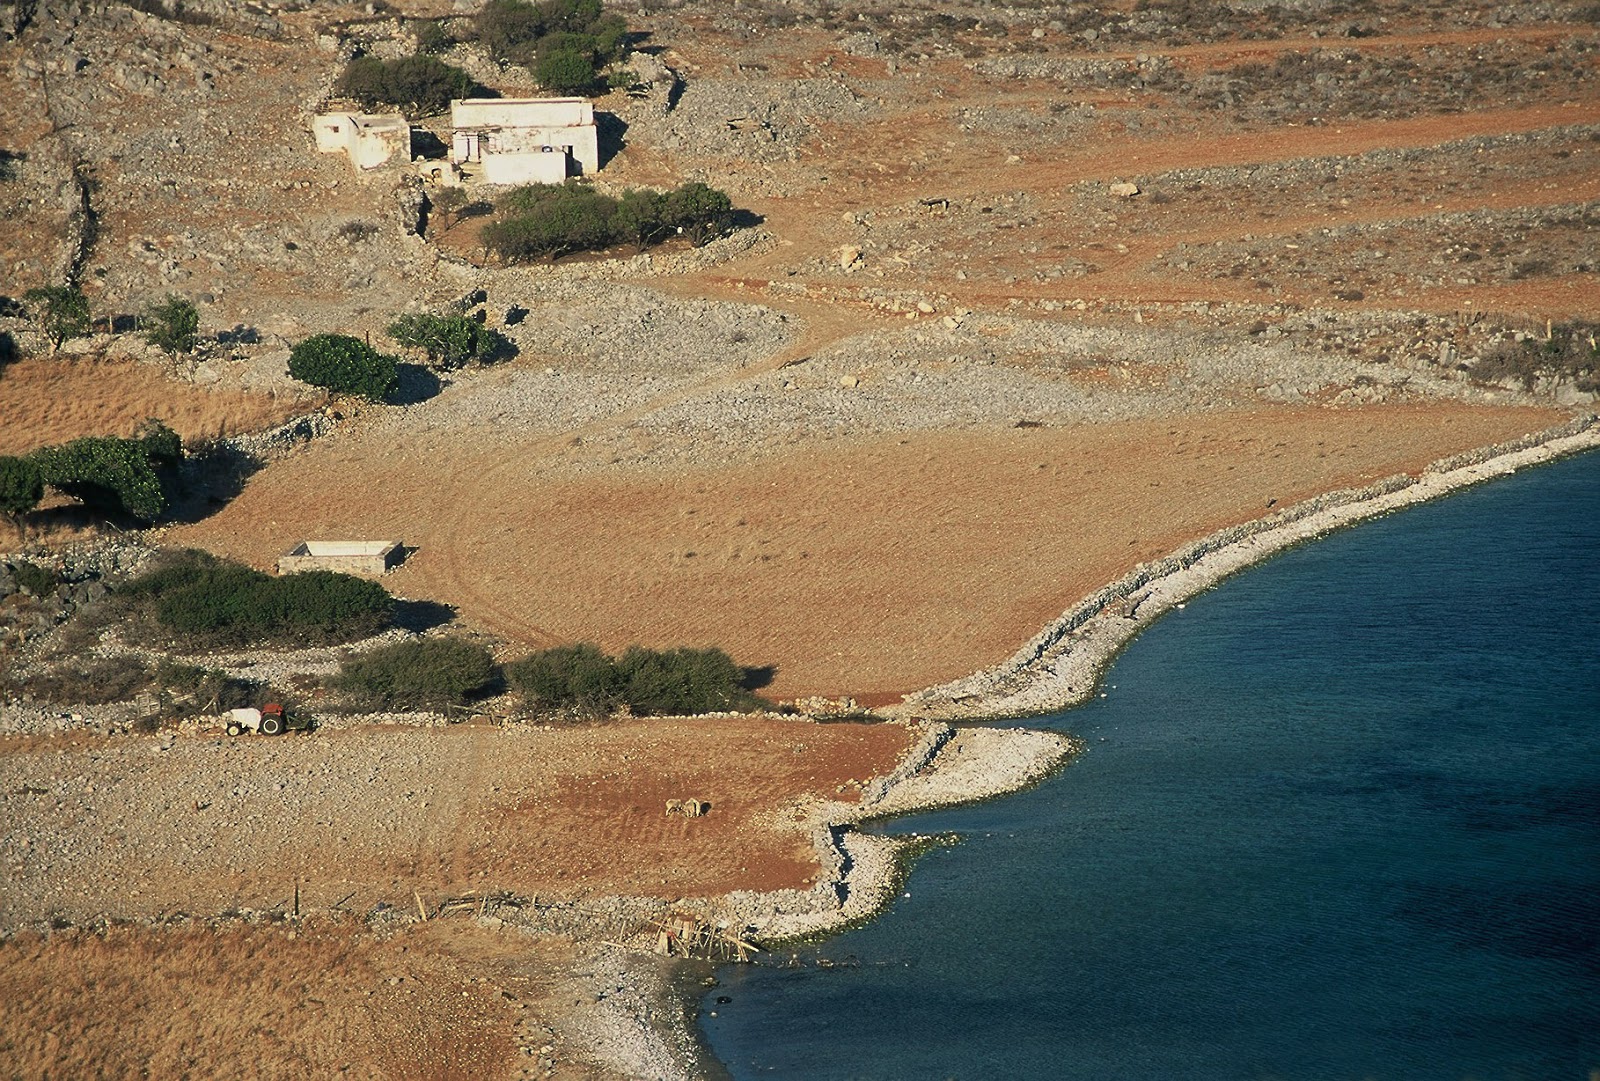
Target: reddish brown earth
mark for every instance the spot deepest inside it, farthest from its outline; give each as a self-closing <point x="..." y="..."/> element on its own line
<point x="868" y="567"/>
<point x="861" y="565"/>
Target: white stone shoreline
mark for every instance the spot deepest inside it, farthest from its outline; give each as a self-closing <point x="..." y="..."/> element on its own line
<point x="1062" y="665"/>
<point x="1058" y="668"/>
<point x="861" y="875"/>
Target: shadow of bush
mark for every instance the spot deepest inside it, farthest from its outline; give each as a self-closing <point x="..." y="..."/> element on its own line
<point x="416" y="384"/>
<point x="422" y="616"/>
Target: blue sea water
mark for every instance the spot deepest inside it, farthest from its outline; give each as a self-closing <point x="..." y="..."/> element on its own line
<point x="1338" y="819"/>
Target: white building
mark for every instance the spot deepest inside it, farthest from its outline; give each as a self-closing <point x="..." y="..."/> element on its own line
<point x="525" y="140"/>
<point x="368" y="139"/>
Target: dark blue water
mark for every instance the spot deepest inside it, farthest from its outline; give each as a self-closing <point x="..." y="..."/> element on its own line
<point x="1339" y="818"/>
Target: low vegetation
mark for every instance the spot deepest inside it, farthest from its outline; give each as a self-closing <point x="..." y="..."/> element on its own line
<point x="344" y="364"/>
<point x="552" y="220"/>
<point x="106" y="472"/>
<point x="450" y="341"/>
<point x="60" y="312"/>
<point x="566" y="43"/>
<point x="419" y="84"/>
<point x="204" y="601"/>
<point x="181" y="690"/>
<point x="33" y="579"/>
<point x="582" y="679"/>
<point x="428" y="673"/>
<point x="1569" y="354"/>
<point x="87" y="682"/>
<point x="173" y="326"/>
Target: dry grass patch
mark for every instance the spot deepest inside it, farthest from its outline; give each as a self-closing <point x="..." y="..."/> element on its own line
<point x="50" y="400"/>
<point x="320" y="1000"/>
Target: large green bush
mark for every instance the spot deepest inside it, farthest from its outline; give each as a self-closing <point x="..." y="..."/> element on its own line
<point x="211" y="601"/>
<point x="515" y="31"/>
<point x="551" y="220"/>
<point x="428" y="673"/>
<point x="21" y="486"/>
<point x="641" y="217"/>
<point x="105" y="472"/>
<point x="114" y="473"/>
<point x="701" y="211"/>
<point x="416" y="84"/>
<point x="342" y="363"/>
<point x="567" y="70"/>
<point x="450" y="341"/>
<point x="647" y="681"/>
<point x="578" y="676"/>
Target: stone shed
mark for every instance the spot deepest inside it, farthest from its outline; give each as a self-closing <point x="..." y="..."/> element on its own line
<point x="363" y="557"/>
<point x="368" y="139"/>
<point x="525" y="140"/>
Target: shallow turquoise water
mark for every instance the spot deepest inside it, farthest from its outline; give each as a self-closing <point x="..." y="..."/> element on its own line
<point x="1339" y="818"/>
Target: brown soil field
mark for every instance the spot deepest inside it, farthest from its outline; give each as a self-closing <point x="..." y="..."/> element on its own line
<point x="219" y="825"/>
<point x="870" y="568"/>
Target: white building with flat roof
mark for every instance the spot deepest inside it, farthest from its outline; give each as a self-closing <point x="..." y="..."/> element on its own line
<point x="368" y="139"/>
<point x="525" y="140"/>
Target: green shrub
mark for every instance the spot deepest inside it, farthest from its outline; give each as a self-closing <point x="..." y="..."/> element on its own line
<point x="432" y="37"/>
<point x="450" y="341"/>
<point x="33" y="579"/>
<point x="701" y="211"/>
<point x="345" y="364"/>
<point x="161" y="444"/>
<point x="566" y="70"/>
<point x="551" y="220"/>
<point x="641" y="217"/>
<point x="106" y="472"/>
<point x="429" y="673"/>
<point x="217" y="602"/>
<point x="417" y="84"/>
<point x="59" y="311"/>
<point x="579" y="676"/>
<point x="647" y="681"/>
<point x="21" y="486"/>
<point x="327" y="606"/>
<point x="554" y="219"/>
<point x="173" y="326"/>
<point x="514" y="31"/>
<point x="680" y="681"/>
<point x="507" y="28"/>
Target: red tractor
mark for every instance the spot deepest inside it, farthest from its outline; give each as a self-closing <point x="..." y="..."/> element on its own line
<point x="270" y="720"/>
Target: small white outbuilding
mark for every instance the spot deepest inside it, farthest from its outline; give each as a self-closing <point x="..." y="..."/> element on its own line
<point x="368" y="139"/>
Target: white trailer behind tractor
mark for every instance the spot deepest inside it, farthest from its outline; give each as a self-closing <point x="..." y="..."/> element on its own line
<point x="270" y="720"/>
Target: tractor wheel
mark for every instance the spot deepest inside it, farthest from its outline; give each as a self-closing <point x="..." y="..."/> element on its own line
<point x="233" y="729"/>
<point x="271" y="726"/>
